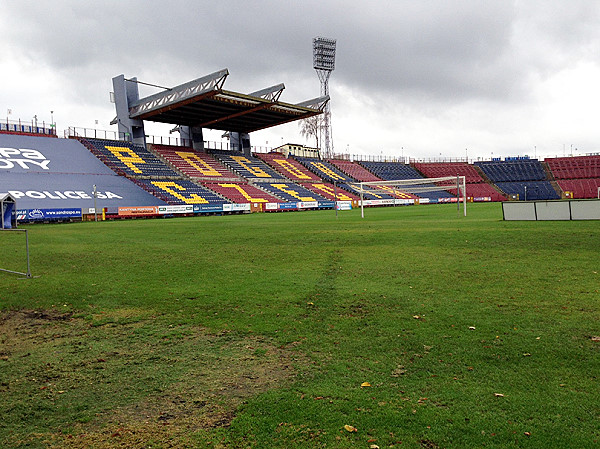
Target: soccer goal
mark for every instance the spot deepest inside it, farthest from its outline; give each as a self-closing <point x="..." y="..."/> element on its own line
<point x="419" y="185"/>
<point x="7" y="232"/>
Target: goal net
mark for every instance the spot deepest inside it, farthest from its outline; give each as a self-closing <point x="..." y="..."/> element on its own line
<point x="420" y="185"/>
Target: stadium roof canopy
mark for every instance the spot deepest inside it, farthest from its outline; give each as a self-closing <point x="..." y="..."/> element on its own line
<point x="204" y="103"/>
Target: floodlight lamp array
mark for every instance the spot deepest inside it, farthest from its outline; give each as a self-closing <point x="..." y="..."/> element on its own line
<point x="324" y="53"/>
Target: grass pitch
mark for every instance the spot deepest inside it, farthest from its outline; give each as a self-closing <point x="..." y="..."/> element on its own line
<point x="411" y="328"/>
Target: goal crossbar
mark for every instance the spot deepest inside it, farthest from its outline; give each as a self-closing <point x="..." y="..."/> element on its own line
<point x="400" y="182"/>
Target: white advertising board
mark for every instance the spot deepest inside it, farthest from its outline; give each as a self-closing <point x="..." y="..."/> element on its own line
<point x="307" y="204"/>
<point x="552" y="210"/>
<point x="518" y="211"/>
<point x="585" y="210"/>
<point x="182" y="209"/>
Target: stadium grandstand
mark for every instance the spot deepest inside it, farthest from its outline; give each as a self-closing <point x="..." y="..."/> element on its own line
<point x="525" y="179"/>
<point x="69" y="178"/>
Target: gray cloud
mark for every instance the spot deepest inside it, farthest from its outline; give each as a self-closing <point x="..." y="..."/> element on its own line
<point x="407" y="57"/>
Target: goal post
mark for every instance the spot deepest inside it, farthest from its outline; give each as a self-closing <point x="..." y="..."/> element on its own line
<point x="419" y="185"/>
<point x="14" y="231"/>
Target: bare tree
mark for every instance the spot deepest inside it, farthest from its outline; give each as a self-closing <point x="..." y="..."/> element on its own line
<point x="311" y="127"/>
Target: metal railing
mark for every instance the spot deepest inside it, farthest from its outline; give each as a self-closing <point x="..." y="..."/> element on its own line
<point x="225" y="146"/>
<point x="93" y="133"/>
<point x="33" y="127"/>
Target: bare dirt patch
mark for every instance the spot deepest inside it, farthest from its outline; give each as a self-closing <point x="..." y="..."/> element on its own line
<point x="22" y="329"/>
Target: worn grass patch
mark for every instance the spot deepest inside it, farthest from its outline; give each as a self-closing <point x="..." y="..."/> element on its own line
<point x="114" y="381"/>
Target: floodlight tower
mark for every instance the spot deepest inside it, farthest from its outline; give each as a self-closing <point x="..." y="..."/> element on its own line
<point x="324" y="64"/>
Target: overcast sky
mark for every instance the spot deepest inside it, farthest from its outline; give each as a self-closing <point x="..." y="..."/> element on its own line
<point x="418" y="78"/>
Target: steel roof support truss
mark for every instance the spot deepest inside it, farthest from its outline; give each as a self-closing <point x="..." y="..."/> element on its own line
<point x="188" y="91"/>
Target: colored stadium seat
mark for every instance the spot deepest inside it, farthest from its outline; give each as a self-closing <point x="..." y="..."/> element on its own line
<point x="242" y="192"/>
<point x="327" y="190"/>
<point x="507" y="171"/>
<point x="355" y="170"/>
<point x="578" y="167"/>
<point x="195" y="164"/>
<point x="288" y="167"/>
<point x="391" y="170"/>
<point x="324" y="170"/>
<point x="441" y="169"/>
<point x="180" y="191"/>
<point x="536" y="190"/>
<point x="128" y="159"/>
<point x="581" y="188"/>
<point x="291" y="192"/>
<point x="249" y="167"/>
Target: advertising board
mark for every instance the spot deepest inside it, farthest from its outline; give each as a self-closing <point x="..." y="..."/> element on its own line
<point x="327" y="204"/>
<point x="138" y="211"/>
<point x="287" y="206"/>
<point x="307" y="204"/>
<point x="179" y="209"/>
<point x="206" y="208"/>
<point x="47" y="214"/>
<point x="404" y="201"/>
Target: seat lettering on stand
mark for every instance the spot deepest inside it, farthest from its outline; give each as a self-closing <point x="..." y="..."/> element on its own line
<point x="198" y="163"/>
<point x="328" y="171"/>
<point x="287" y="189"/>
<point x="289" y="167"/>
<point x="329" y="190"/>
<point x="129" y="157"/>
<point x="256" y="171"/>
<point x="176" y="190"/>
<point x="245" y="194"/>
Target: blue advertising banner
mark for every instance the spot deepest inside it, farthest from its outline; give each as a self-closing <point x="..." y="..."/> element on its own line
<point x="287" y="206"/>
<point x="325" y="204"/>
<point x="205" y="208"/>
<point x="47" y="214"/>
